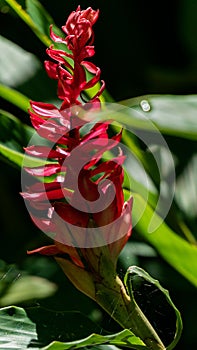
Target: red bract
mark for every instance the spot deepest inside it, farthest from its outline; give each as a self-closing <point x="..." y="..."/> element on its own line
<point x="72" y="76"/>
<point x="77" y="196"/>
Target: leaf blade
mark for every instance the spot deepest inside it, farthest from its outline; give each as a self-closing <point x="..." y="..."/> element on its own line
<point x="15" y="97"/>
<point x="171" y="114"/>
<point x="180" y="254"/>
<point x="124" y="338"/>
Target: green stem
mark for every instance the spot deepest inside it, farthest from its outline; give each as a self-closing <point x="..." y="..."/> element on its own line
<point x="112" y="297"/>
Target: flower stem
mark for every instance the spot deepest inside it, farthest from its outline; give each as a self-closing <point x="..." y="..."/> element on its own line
<point x="112" y="297"/>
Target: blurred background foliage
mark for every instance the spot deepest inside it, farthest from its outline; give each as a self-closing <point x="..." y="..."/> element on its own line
<point x="142" y="48"/>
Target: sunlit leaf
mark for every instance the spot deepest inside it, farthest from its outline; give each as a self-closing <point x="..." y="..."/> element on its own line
<point x="15" y="97"/>
<point x="124" y="338"/>
<point x="104" y="347"/>
<point x="171" y="114"/>
<point x="180" y="254"/>
<point x="17" y="330"/>
<point x="186" y="189"/>
<point x="39" y="16"/>
<point x="17" y="65"/>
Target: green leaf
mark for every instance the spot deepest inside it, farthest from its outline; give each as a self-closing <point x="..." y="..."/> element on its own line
<point x="186" y="189"/>
<point x="11" y="156"/>
<point x="60" y="346"/>
<point x="27" y="19"/>
<point x="16" y="158"/>
<point x="41" y="18"/>
<point x="171" y="114"/>
<point x="180" y="254"/>
<point x="17" y="330"/>
<point x="15" y="97"/>
<point x="27" y="288"/>
<point x="16" y="286"/>
<point x="140" y="286"/>
<point x="104" y="347"/>
<point x="14" y="135"/>
<point x="25" y="64"/>
<point x="125" y="338"/>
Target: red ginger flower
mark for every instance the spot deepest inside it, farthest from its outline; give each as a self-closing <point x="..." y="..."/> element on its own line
<point x="81" y="199"/>
<point x="72" y="78"/>
<point x="74" y="167"/>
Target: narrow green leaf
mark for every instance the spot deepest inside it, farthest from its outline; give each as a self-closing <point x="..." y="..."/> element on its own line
<point x="14" y="97"/>
<point x="14" y="135"/>
<point x="186" y="189"/>
<point x="14" y="157"/>
<point x="27" y="19"/>
<point x="180" y="254"/>
<point x="41" y="18"/>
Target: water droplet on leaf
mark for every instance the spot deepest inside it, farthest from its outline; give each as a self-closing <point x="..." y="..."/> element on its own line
<point x="145" y="105"/>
